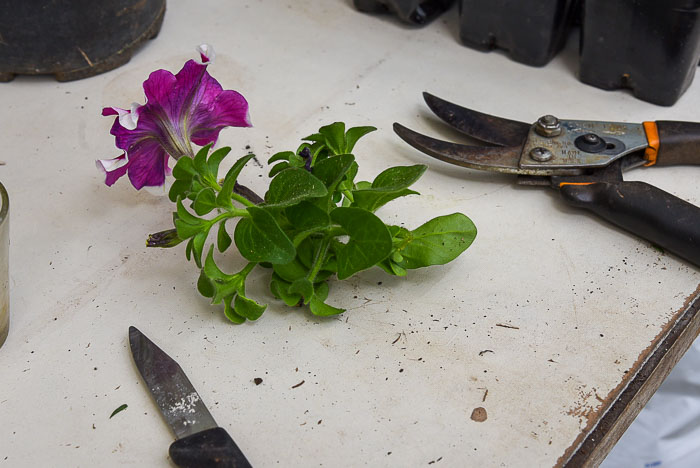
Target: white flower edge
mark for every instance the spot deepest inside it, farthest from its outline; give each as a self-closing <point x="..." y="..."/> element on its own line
<point x="206" y="54"/>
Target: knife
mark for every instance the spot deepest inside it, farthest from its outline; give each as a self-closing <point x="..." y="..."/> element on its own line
<point x="200" y="441"/>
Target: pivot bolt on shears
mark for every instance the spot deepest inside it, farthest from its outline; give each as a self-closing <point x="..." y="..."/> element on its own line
<point x="584" y="160"/>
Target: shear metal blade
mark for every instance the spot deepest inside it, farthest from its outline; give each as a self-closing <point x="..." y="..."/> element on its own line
<point x="499" y="159"/>
<point x="175" y="396"/>
<point x="485" y="127"/>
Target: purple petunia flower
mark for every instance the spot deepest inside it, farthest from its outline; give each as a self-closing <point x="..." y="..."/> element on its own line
<point x="188" y="107"/>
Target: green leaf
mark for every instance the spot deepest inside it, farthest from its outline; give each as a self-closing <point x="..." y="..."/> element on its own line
<point x="398" y="231"/>
<point x="292" y="186"/>
<point x="291" y="271"/>
<point x="373" y="199"/>
<point x="321" y="290"/>
<point x="223" y="240"/>
<point x="224" y="196"/>
<point x="187" y="217"/>
<point x="391" y="268"/>
<point x="215" y="160"/>
<point x="281" y="156"/>
<point x="318" y="152"/>
<point x="326" y="272"/>
<point x="314" y="137"/>
<point x="347" y="184"/>
<point x="277" y="168"/>
<point x="320" y="308"/>
<point x="304" y="287"/>
<point x="238" y="166"/>
<point x="260" y="239"/>
<point x="306" y="255"/>
<point x="280" y="289"/>
<point x="248" y="308"/>
<point x="306" y="251"/>
<point x="200" y="160"/>
<point x="355" y="134"/>
<point x="204" y="286"/>
<point x="198" y="246"/>
<point x="184" y="169"/>
<point x="438" y="241"/>
<point x="399" y="177"/>
<point x="188" y="249"/>
<point x="398" y="270"/>
<point x="195" y="187"/>
<point x="332" y="169"/>
<point x="187" y="224"/>
<point x="306" y="218"/>
<point x="224" y="285"/>
<point x="205" y="201"/>
<point x="118" y="410"/>
<point x="389" y="185"/>
<point x="352" y="172"/>
<point x="334" y="135"/>
<point x="296" y="161"/>
<point x="231" y="313"/>
<point x="370" y="241"/>
<point x="180" y="188"/>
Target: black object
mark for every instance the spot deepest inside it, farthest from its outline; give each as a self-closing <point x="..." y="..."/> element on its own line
<point x="645" y="210"/>
<point x="584" y="161"/>
<point x="649" y="46"/>
<point x="416" y="12"/>
<point x="73" y="39"/>
<point x="531" y="31"/>
<point x="211" y="448"/>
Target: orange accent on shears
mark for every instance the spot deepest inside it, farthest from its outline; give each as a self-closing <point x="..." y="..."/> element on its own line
<point x="575" y="183"/>
<point x="652" y="151"/>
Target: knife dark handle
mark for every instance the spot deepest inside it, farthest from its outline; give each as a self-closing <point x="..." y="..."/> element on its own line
<point x="644" y="210"/>
<point x="210" y="448"/>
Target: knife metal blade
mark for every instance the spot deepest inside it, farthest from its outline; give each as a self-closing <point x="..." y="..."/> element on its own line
<point x="200" y="441"/>
<point x="178" y="401"/>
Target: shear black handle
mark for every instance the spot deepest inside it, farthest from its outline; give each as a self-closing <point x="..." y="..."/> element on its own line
<point x="211" y="448"/>
<point x="679" y="143"/>
<point x="644" y="210"/>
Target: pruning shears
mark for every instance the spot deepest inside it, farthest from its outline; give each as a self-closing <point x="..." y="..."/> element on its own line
<point x="583" y="160"/>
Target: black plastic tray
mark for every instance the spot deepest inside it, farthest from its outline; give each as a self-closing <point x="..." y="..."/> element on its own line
<point x="651" y="47"/>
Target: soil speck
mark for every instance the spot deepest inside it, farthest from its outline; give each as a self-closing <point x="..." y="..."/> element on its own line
<point x="479" y="414"/>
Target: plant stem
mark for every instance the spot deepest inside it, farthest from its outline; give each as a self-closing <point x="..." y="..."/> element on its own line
<point x="319" y="258"/>
<point x="241" y="199"/>
<point x="230" y="214"/>
<point x="244" y="273"/>
<point x="247" y="269"/>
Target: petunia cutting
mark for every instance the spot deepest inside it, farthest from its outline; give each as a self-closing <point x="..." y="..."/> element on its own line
<point x="190" y="107"/>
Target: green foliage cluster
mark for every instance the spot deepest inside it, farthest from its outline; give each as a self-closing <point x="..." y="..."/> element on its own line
<point x="316" y="222"/>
